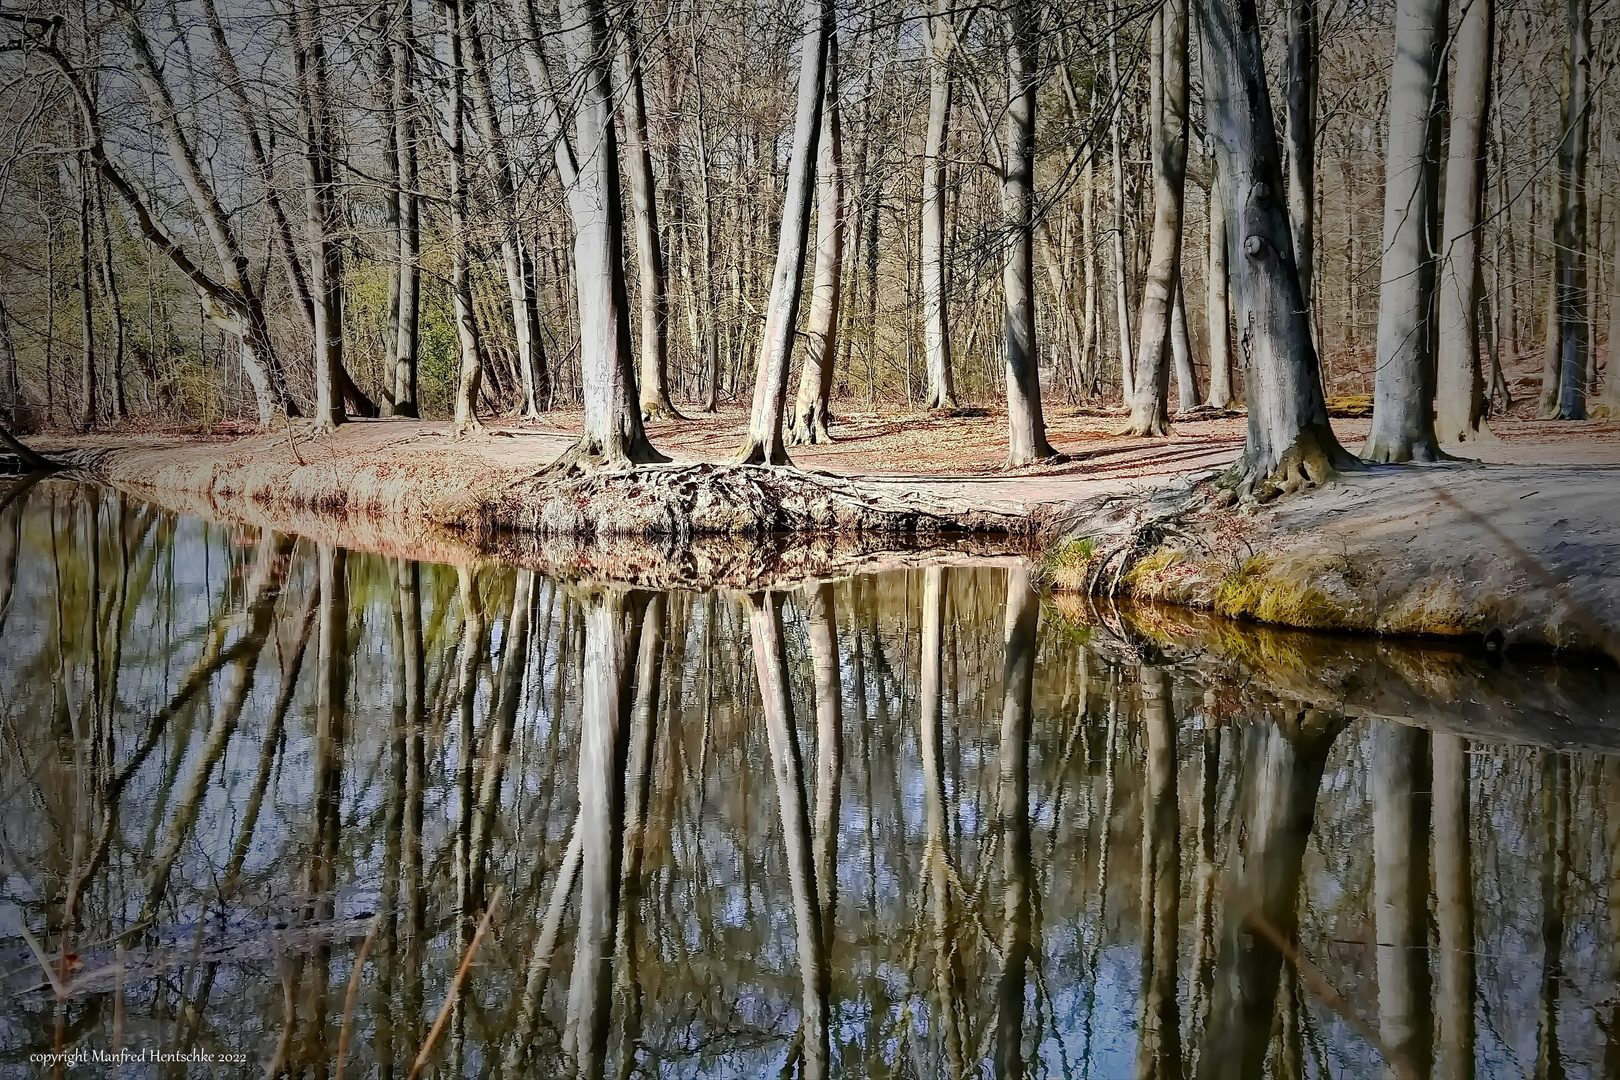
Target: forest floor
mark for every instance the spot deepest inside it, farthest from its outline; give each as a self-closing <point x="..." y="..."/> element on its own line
<point x="1527" y="550"/>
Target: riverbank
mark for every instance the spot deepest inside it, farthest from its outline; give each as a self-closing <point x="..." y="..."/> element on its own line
<point x="1524" y="551"/>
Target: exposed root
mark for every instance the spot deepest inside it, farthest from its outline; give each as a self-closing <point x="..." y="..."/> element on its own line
<point x="708" y="500"/>
<point x="1404" y="452"/>
<point x="1311" y="460"/>
<point x="26" y="459"/>
<point x="1146" y="428"/>
<point x="588" y="457"/>
<point x="753" y="453"/>
<point x="660" y="410"/>
<point x="468" y="429"/>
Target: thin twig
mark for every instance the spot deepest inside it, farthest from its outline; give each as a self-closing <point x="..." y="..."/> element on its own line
<point x="455" y="985"/>
<point x="354" y="989"/>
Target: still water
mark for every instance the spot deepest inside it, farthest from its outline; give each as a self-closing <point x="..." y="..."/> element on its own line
<point x="315" y="812"/>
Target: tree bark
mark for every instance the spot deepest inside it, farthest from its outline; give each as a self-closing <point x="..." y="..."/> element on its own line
<point x="812" y="410"/>
<point x="470" y="377"/>
<point x="1181" y="351"/>
<point x="936" y="312"/>
<point x="588" y="164"/>
<point x="320" y="198"/>
<point x="823" y="621"/>
<point x="1026" y="424"/>
<point x="115" y="306"/>
<point x="87" y="319"/>
<point x="1122" y="284"/>
<point x="1218" y="304"/>
<point x="408" y="242"/>
<point x="654" y="383"/>
<point x="1403" y="383"/>
<point x="1303" y="66"/>
<point x="520" y="287"/>
<point x="1290" y="443"/>
<point x="1574" y="330"/>
<point x="1459" y="376"/>
<point x="949" y="982"/>
<point x="764" y="444"/>
<point x="1150" y="407"/>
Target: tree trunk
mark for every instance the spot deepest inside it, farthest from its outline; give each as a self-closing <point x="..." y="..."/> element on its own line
<point x="471" y="373"/>
<point x="936" y="321"/>
<point x="1400" y="795"/>
<point x="1026" y="424"/>
<point x="1181" y="351"/>
<point x="531" y="356"/>
<point x="1290" y="443"/>
<point x="949" y="982"/>
<point x="1454" y="905"/>
<point x="1282" y="776"/>
<point x="1168" y="124"/>
<point x="1012" y="819"/>
<point x="115" y="306"/>
<point x="1303" y="64"/>
<point x="1158" y="1054"/>
<point x="87" y="319"/>
<point x="1611" y="377"/>
<point x="764" y="444"/>
<point x="1218" y="304"/>
<point x="654" y="383"/>
<point x="770" y="660"/>
<point x="812" y="410"/>
<point x="1122" y="283"/>
<point x="1403" y="383"/>
<point x="408" y="242"/>
<point x="823" y="620"/>
<point x="612" y="638"/>
<point x="1574" y="331"/>
<point x="711" y="299"/>
<point x="1459" y="376"/>
<point x="320" y="196"/>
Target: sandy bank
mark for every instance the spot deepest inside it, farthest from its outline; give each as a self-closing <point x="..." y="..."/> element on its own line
<point x="1513" y="554"/>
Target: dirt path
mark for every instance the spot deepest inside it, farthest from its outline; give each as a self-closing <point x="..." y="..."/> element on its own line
<point x="405" y="466"/>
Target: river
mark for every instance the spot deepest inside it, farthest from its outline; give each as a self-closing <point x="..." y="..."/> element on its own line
<point x="287" y="809"/>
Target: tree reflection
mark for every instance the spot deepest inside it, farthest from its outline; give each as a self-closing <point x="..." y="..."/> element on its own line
<point x="230" y="755"/>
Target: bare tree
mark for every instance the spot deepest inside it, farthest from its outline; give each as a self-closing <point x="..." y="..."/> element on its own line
<point x="471" y="376"/>
<point x="1574" y="327"/>
<point x="1218" y="303"/>
<point x="655" y="403"/>
<point x="1012" y="821"/>
<point x="811" y="410"/>
<point x="320" y="199"/>
<point x="764" y="443"/>
<point x="1403" y="384"/>
<point x="1290" y="443"/>
<point x="1168" y="125"/>
<point x="1026" y="424"/>
<point x="1303" y="67"/>
<point x="1400" y="783"/>
<point x="1459" y="377"/>
<point x="936" y="313"/>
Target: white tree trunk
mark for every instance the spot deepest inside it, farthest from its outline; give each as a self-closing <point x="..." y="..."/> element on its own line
<point x="1459" y="375"/>
<point x="1168" y="111"/>
<point x="655" y="401"/>
<point x="811" y="410"/>
<point x="613" y="434"/>
<point x="1116" y="249"/>
<point x="470" y="378"/>
<point x="1403" y="383"/>
<point x="764" y="443"/>
<point x="1218" y="303"/>
<point x="936" y="323"/>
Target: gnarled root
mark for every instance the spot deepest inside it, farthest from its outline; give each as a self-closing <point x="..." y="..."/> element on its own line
<point x="589" y="456"/>
<point x="753" y="452"/>
<point x="1310" y="461"/>
<point x="660" y="410"/>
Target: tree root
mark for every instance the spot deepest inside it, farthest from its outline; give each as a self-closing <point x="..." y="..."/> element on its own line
<point x="753" y="452"/>
<point x="1310" y="461"/>
<point x="587" y="457"/>
<point x="660" y="410"/>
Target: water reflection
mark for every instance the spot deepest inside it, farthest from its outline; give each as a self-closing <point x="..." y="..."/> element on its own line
<point x="259" y="795"/>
